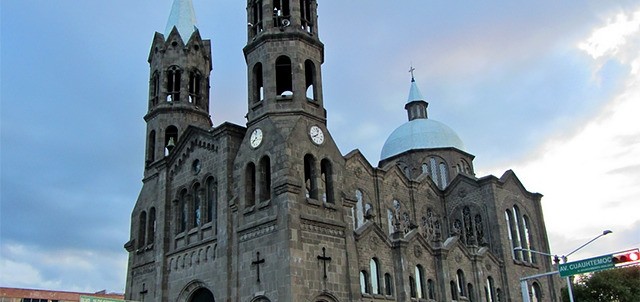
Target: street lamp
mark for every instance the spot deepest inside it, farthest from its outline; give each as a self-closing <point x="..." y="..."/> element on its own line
<point x="556" y="258"/>
<point x="564" y="260"/>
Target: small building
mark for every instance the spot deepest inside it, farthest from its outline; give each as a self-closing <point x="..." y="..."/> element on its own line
<point x="8" y="294"/>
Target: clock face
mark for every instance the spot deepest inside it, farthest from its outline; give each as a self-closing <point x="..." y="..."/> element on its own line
<point x="256" y="138"/>
<point x="316" y="135"/>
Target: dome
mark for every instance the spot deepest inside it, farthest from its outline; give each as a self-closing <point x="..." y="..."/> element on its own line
<point x="420" y="134"/>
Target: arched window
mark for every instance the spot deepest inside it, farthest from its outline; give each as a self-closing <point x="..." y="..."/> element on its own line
<point x="310" y="79"/>
<point x="284" y="76"/>
<point x="529" y="237"/>
<point x="513" y="235"/>
<point x="420" y="286"/>
<point x="359" y="209"/>
<point x="170" y="138"/>
<point x="526" y="255"/>
<point x="364" y="282"/>
<point x="281" y="12"/>
<point x="151" y="147"/>
<point x="375" y="277"/>
<point x="182" y="211"/>
<point x="256" y="19"/>
<point x="195" y="84"/>
<point x="388" y="284"/>
<point x="173" y="84"/>
<point x="470" y="293"/>
<point x="151" y="226"/>
<point x="460" y="282"/>
<point x="212" y="199"/>
<point x="305" y="15"/>
<point x="424" y="168"/>
<point x="142" y="226"/>
<point x="265" y="178"/>
<point x="390" y="221"/>
<point x="197" y="203"/>
<point x="444" y="177"/>
<point x="454" y="290"/>
<point x="327" y="179"/>
<point x="479" y="230"/>
<point x="154" y="88"/>
<point x="310" y="178"/>
<point x="412" y="287"/>
<point x="490" y="291"/>
<point x="258" y="83"/>
<point x="536" y="292"/>
<point x="431" y="289"/>
<point x="250" y="185"/>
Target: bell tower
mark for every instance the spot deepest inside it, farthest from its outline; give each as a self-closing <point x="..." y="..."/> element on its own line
<point x="284" y="57"/>
<point x="180" y="65"/>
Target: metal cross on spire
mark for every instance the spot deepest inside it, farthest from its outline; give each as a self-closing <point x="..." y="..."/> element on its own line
<point x="411" y="70"/>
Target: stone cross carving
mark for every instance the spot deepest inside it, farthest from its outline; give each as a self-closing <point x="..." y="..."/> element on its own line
<point x="143" y="292"/>
<point x="324" y="259"/>
<point x="257" y="264"/>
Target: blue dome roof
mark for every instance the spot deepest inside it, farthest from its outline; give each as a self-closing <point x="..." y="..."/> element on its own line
<point x="420" y="134"/>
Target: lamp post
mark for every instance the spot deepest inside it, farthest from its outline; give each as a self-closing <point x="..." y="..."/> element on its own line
<point x="556" y="258"/>
<point x="564" y="260"/>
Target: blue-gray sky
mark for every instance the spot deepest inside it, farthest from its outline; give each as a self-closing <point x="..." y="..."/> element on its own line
<point x="549" y="89"/>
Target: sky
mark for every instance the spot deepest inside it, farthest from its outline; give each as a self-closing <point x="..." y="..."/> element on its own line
<point x="549" y="89"/>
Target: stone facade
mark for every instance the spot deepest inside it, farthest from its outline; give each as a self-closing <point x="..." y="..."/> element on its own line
<point x="272" y="211"/>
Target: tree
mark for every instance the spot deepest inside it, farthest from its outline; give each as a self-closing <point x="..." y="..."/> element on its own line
<point x="614" y="285"/>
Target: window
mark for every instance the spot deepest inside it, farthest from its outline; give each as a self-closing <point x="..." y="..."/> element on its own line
<point x="490" y="290"/>
<point x="470" y="292"/>
<point x="460" y="282"/>
<point x="265" y="178"/>
<point x="250" y="185"/>
<point x="173" y="84"/>
<point x="151" y="226"/>
<point x="280" y="12"/>
<point x="536" y="292"/>
<point x="454" y="290"/>
<point x="310" y="79"/>
<point x="256" y="19"/>
<point x="327" y="180"/>
<point x="181" y="211"/>
<point x="195" y="82"/>
<point x="364" y="282"/>
<point x="388" y="285"/>
<point x="528" y="237"/>
<point x="526" y="255"/>
<point x="375" y="277"/>
<point x="438" y="171"/>
<point x="432" y="289"/>
<point x="420" y="288"/>
<point x="390" y="221"/>
<point x="412" y="287"/>
<point x="284" y="77"/>
<point x="359" y="209"/>
<point x="212" y="199"/>
<point x="310" y="180"/>
<point x="305" y="15"/>
<point x="154" y="88"/>
<point x="151" y="147"/>
<point x="258" y="83"/>
<point x="197" y="202"/>
<point x="511" y="231"/>
<point x="443" y="175"/>
<point x="142" y="229"/>
<point x="170" y="138"/>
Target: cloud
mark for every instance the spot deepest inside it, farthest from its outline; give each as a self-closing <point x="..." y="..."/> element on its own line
<point x="589" y="174"/>
<point x="69" y="269"/>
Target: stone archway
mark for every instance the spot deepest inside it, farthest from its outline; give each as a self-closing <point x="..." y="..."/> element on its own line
<point x="202" y="295"/>
<point x="196" y="291"/>
<point x="325" y="297"/>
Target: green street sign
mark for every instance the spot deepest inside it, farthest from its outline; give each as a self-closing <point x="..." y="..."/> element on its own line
<point x="586" y="265"/>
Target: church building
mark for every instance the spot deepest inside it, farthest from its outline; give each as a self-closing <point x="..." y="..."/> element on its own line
<point x="273" y="211"/>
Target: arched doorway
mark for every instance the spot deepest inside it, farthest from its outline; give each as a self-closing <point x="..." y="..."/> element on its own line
<point x="202" y="295"/>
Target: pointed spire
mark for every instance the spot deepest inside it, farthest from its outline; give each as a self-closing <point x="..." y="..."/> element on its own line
<point x="414" y="92"/>
<point x="182" y="17"/>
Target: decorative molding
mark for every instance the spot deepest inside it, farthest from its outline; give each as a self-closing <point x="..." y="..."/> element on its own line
<point x="322" y="228"/>
<point x="257" y="231"/>
<point x="144" y="269"/>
